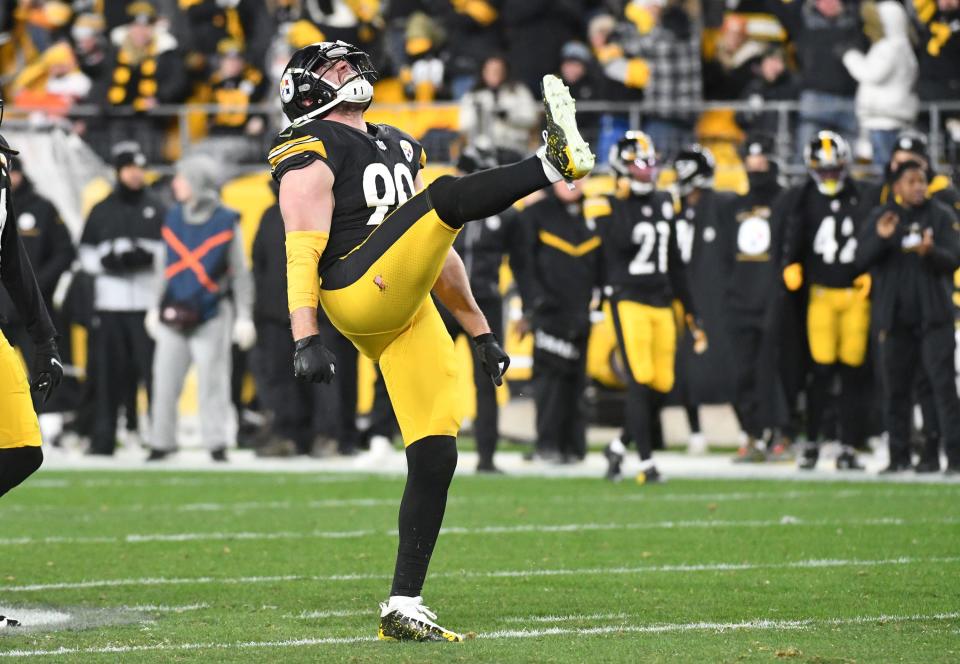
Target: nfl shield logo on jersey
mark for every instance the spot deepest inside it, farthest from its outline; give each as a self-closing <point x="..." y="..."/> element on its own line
<point x="407" y="149"/>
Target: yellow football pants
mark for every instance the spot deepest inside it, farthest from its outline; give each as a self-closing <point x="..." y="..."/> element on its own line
<point x="838" y="325"/>
<point x="648" y="341"/>
<point x="378" y="296"/>
<point x="18" y="422"/>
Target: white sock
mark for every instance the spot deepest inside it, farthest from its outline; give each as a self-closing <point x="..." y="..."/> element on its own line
<point x="552" y="173"/>
<point x="398" y="601"/>
<point x="617" y="447"/>
<point x="646" y="465"/>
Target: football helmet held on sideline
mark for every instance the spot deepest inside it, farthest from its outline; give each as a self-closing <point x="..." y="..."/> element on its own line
<point x="827" y="158"/>
<point x="695" y="168"/>
<point x="306" y="92"/>
<point x="634" y="157"/>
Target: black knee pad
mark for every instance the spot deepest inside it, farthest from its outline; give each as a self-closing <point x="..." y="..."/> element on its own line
<point x="443" y="196"/>
<point x="432" y="459"/>
<point x="18" y="464"/>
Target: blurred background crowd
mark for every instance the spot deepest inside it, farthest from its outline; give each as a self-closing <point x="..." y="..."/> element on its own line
<point x="125" y="109"/>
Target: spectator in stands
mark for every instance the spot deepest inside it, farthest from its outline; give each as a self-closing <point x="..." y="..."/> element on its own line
<point x="235" y="86"/>
<point x="728" y="72"/>
<point x="147" y="71"/>
<point x="772" y="82"/>
<point x="357" y="22"/>
<point x="473" y="35"/>
<point x="671" y="50"/>
<point x="939" y="53"/>
<point x="119" y="244"/>
<point x="209" y="22"/>
<point x="52" y="83"/>
<point x="191" y="319"/>
<point x="535" y="31"/>
<point x="886" y="102"/>
<point x="821" y="31"/>
<point x="49" y="247"/>
<point x="578" y="72"/>
<point x="499" y="110"/>
<point x="912" y="248"/>
<point x="90" y="45"/>
<point x="424" y="71"/>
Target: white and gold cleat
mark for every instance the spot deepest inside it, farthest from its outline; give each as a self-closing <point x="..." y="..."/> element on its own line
<point x="564" y="149"/>
<point x="407" y="619"/>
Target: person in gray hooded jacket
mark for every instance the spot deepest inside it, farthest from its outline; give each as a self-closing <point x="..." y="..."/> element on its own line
<point x="204" y="301"/>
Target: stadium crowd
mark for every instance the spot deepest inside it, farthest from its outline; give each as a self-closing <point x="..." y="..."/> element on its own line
<point x="820" y="296"/>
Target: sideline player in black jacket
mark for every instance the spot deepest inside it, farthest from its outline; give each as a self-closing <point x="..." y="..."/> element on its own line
<point x="751" y="237"/>
<point x="482" y="247"/>
<point x="644" y="274"/>
<point x="823" y="216"/>
<point x="557" y="283"/>
<point x="913" y="247"/>
<point x="20" y="453"/>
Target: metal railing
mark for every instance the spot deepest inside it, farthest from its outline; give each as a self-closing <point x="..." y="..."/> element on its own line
<point x="785" y="111"/>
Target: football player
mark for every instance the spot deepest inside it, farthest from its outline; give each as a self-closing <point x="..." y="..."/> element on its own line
<point x="698" y="221"/>
<point x="368" y="241"/>
<point x="822" y="219"/>
<point x="644" y="274"/>
<point x="20" y="453"/>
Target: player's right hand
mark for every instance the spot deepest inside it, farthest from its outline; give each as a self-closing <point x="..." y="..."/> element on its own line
<point x="312" y="361"/>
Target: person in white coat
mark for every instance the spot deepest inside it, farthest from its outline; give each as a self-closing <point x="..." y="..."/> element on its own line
<point x="886" y="102"/>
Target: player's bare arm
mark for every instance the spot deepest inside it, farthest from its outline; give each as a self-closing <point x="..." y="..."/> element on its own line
<point x="306" y="201"/>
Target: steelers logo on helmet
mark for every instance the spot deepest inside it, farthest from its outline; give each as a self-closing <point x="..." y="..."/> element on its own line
<point x="287" y="90"/>
<point x="318" y="84"/>
<point x="695" y="167"/>
<point x="827" y="158"/>
<point x="634" y="158"/>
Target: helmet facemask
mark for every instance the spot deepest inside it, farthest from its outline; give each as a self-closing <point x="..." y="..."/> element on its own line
<point x="634" y="159"/>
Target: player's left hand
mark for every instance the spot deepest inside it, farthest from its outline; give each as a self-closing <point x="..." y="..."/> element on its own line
<point x="493" y="358"/>
<point x="700" y="342"/>
<point x="47" y="369"/>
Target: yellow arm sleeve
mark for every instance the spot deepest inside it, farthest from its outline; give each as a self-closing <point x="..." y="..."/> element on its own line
<point x="304" y="249"/>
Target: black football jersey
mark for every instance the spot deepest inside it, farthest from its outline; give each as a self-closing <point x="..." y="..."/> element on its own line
<point x="373" y="171"/>
<point x="640" y="248"/>
<point x="823" y="235"/>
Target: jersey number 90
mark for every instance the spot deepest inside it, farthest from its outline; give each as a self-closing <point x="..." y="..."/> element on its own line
<point x="384" y="190"/>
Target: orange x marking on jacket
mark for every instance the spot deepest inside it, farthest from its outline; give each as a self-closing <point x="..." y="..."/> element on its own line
<point x="191" y="259"/>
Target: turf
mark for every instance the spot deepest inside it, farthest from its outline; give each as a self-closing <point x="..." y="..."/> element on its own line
<point x="279" y="567"/>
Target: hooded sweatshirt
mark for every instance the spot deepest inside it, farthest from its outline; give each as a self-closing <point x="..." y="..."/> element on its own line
<point x="202" y="174"/>
<point x="886" y="74"/>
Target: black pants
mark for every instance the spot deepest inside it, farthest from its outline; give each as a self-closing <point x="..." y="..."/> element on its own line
<point x="559" y="382"/>
<point x="485" y="425"/>
<point x="852" y="402"/>
<point x="124" y="356"/>
<point x="758" y="393"/>
<point x="925" y="398"/>
<point x="904" y="350"/>
<point x="303" y="410"/>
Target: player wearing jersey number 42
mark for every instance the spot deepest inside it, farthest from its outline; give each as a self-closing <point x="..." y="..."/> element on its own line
<point x="368" y="242"/>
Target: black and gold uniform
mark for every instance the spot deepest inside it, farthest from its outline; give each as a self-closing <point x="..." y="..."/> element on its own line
<point x="379" y="256"/>
<point x="644" y="273"/>
<point x="823" y="217"/>
<point x="20" y="453"/>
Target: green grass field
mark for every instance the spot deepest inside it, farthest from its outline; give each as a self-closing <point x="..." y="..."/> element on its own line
<point x="238" y="567"/>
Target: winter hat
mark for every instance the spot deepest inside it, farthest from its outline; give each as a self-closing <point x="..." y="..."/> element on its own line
<point x="574" y="50"/>
<point x="128" y="153"/>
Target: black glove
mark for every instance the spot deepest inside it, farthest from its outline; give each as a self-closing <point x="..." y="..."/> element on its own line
<point x="47" y="369"/>
<point x="493" y="358"/>
<point x="136" y="259"/>
<point x="312" y="362"/>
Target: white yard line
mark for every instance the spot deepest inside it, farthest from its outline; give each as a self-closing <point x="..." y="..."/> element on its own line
<point x="680" y="567"/>
<point x="720" y="627"/>
<point x="161" y="608"/>
<point x="342" y="613"/>
<point x="784" y="521"/>
<point x="910" y="491"/>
